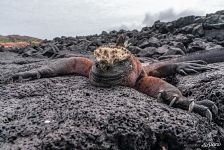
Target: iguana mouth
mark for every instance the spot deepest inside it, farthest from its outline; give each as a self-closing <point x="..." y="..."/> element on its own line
<point x="106" y="77"/>
<point x="105" y="80"/>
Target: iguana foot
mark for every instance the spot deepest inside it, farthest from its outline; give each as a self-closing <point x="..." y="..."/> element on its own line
<point x="189" y="67"/>
<point x="210" y="104"/>
<point x="201" y="110"/>
<point x="30" y="75"/>
<point x="204" y="108"/>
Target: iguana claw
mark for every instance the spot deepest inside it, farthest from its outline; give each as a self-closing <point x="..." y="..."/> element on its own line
<point x="173" y="101"/>
<point x="189" y="67"/>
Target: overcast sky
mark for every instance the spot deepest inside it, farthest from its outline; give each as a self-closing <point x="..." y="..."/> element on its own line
<point x="52" y="18"/>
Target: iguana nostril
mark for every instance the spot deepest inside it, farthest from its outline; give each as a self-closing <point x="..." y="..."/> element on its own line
<point x="107" y="68"/>
<point x="101" y="66"/>
<point x="97" y="65"/>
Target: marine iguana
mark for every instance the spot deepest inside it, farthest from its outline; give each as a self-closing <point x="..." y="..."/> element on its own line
<point x="115" y="65"/>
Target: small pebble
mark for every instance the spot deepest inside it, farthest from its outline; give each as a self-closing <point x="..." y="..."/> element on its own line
<point x="47" y="121"/>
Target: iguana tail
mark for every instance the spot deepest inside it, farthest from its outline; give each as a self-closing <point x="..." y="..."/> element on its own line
<point x="209" y="56"/>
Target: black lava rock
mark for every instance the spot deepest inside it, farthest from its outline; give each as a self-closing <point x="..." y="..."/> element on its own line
<point x="69" y="113"/>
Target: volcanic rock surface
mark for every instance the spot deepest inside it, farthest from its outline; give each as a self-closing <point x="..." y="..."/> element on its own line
<point x="69" y="113"/>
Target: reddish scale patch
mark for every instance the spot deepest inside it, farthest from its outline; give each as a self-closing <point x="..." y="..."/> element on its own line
<point x="14" y="44"/>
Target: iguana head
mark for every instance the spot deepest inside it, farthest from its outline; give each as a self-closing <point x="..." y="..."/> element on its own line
<point x="113" y="66"/>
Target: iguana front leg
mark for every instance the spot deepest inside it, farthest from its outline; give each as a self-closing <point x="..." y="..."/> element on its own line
<point x="165" y="69"/>
<point x="66" y="66"/>
<point x="172" y="96"/>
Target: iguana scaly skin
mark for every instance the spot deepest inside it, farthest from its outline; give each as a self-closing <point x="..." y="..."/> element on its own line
<point x="115" y="65"/>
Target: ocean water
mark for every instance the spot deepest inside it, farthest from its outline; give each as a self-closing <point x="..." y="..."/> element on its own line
<point x="52" y="18"/>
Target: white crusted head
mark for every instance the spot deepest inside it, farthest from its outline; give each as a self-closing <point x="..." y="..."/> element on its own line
<point x="111" y="54"/>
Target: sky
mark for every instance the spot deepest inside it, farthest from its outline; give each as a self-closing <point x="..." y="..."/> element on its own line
<point x="47" y="19"/>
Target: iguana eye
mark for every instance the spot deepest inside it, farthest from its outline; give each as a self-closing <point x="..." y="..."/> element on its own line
<point x="103" y="62"/>
<point x="97" y="65"/>
<point x="116" y="61"/>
